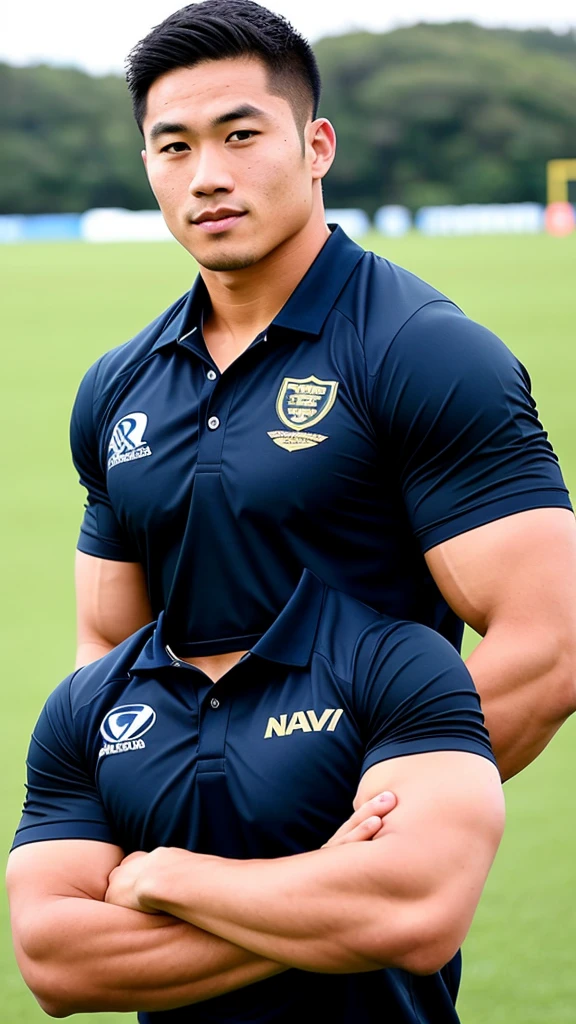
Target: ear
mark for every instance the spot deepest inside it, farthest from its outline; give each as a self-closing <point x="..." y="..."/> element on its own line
<point x="144" y="159"/>
<point x="321" y="144"/>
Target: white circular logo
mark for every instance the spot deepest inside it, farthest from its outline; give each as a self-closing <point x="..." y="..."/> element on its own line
<point x="127" y="722"/>
<point x="128" y="433"/>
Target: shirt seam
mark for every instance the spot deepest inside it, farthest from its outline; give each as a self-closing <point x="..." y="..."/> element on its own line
<point x="362" y="346"/>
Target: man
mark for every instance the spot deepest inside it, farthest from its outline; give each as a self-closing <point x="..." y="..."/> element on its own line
<point x="246" y="917"/>
<point x="309" y="404"/>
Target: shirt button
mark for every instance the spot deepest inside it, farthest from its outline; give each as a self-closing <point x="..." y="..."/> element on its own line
<point x="213" y="423"/>
<point x="214" y="703"/>
<point x="211" y="375"/>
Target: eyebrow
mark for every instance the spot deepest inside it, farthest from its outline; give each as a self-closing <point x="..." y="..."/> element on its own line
<point x="178" y="128"/>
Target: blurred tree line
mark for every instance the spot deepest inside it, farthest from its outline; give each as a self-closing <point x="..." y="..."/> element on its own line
<point x="429" y="114"/>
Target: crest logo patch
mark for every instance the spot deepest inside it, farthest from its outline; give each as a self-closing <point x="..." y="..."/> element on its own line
<point x="302" y="403"/>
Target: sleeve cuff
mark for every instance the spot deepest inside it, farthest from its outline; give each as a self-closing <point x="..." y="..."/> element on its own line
<point x="388" y="751"/>
<point x="108" y="549"/>
<point x="454" y="525"/>
<point x="73" y="830"/>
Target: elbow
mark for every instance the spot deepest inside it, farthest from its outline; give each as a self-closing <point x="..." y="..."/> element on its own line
<point x="428" y="958"/>
<point x="422" y="944"/>
<point x="55" y="988"/>
<point x="51" y="996"/>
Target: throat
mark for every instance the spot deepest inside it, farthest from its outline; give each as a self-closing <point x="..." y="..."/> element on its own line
<point x="225" y="347"/>
<point x="216" y="665"/>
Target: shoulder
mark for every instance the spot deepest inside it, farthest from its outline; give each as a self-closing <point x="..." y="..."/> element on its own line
<point x="399" y="649"/>
<point x="405" y="322"/>
<point x="370" y="649"/>
<point x="91" y="685"/>
<point x="381" y="297"/>
<point x="350" y="630"/>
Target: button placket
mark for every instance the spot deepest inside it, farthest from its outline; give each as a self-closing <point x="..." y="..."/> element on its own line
<point x="213" y="418"/>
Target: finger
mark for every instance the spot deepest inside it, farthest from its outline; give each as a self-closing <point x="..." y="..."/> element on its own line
<point x="364" y="831"/>
<point x="381" y="805"/>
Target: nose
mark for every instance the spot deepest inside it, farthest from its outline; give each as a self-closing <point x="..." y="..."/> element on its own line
<point x="211" y="173"/>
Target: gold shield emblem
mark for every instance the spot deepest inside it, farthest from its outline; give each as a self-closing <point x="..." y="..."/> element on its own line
<point x="303" y="403"/>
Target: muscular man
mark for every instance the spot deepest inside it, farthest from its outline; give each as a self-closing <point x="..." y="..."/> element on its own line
<point x="249" y="916"/>
<point x="309" y="404"/>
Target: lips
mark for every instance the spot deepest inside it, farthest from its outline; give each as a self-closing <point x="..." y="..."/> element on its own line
<point x="214" y="221"/>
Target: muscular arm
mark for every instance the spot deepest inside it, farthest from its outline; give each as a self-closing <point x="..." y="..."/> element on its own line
<point x="112" y="602"/>
<point x="112" y="958"/>
<point x="79" y="954"/>
<point x="514" y="582"/>
<point x="404" y="900"/>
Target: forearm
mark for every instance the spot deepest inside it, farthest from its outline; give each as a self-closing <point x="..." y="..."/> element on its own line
<point x="322" y="911"/>
<point x="114" y="959"/>
<point x="527" y="685"/>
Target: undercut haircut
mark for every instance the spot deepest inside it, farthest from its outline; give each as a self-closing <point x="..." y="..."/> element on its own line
<point x="221" y="29"/>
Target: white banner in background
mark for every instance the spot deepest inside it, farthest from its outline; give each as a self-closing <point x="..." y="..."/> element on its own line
<point x="481" y="219"/>
<point x="354" y="222"/>
<point x="116" y="225"/>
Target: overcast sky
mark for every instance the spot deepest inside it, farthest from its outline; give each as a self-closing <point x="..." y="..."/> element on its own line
<point x="97" y="36"/>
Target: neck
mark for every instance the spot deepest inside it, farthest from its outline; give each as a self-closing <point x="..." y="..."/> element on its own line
<point x="216" y="665"/>
<point x="244" y="302"/>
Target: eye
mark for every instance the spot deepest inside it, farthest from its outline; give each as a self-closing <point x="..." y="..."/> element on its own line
<point x="175" y="147"/>
<point x="241" y="135"/>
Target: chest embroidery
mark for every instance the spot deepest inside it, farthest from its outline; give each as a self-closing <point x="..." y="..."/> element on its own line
<point x="127" y="442"/>
<point x="301" y="404"/>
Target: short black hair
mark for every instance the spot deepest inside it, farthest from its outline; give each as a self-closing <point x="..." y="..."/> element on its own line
<point x="220" y="29"/>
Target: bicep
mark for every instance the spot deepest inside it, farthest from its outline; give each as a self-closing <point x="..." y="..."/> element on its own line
<point x="111" y="599"/>
<point x="41" y="872"/>
<point x="522" y="566"/>
<point x="444" y="832"/>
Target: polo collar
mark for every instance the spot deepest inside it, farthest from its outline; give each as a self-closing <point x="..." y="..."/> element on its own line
<point x="154" y="654"/>
<point x="312" y="300"/>
<point x="288" y="641"/>
<point x="290" y="638"/>
<point x="186" y="317"/>
<point x="306" y="310"/>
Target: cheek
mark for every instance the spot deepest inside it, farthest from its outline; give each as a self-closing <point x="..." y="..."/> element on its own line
<point x="285" y="185"/>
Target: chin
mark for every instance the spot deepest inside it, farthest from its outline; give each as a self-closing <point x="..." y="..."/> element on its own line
<point x="226" y="260"/>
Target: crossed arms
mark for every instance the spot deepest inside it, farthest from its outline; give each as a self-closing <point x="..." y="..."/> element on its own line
<point x="166" y="929"/>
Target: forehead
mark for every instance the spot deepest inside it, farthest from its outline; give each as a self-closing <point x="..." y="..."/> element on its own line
<point x="196" y="95"/>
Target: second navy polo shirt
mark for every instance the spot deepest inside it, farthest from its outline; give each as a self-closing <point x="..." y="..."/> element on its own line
<point x="142" y="750"/>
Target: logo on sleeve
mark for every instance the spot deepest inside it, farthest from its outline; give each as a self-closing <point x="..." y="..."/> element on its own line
<point x="123" y="727"/>
<point x="127" y="442"/>
<point x="301" y="404"/>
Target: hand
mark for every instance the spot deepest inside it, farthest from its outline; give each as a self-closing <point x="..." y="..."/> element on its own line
<point x="123" y="882"/>
<point x="366" y="823"/>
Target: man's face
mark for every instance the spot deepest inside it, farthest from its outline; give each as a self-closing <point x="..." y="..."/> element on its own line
<point x="226" y="162"/>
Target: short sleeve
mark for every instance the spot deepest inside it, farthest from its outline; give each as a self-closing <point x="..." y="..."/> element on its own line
<point x="62" y="801"/>
<point x="414" y="695"/>
<point x="455" y="411"/>
<point x="101" y="534"/>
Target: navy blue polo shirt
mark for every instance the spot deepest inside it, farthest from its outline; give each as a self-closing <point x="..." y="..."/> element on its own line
<point x="371" y="421"/>
<point x="142" y="750"/>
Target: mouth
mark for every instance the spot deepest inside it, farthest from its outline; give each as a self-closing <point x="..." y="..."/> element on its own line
<point x="214" y="222"/>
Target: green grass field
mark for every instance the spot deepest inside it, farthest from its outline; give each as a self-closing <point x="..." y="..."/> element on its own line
<point x="62" y="306"/>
